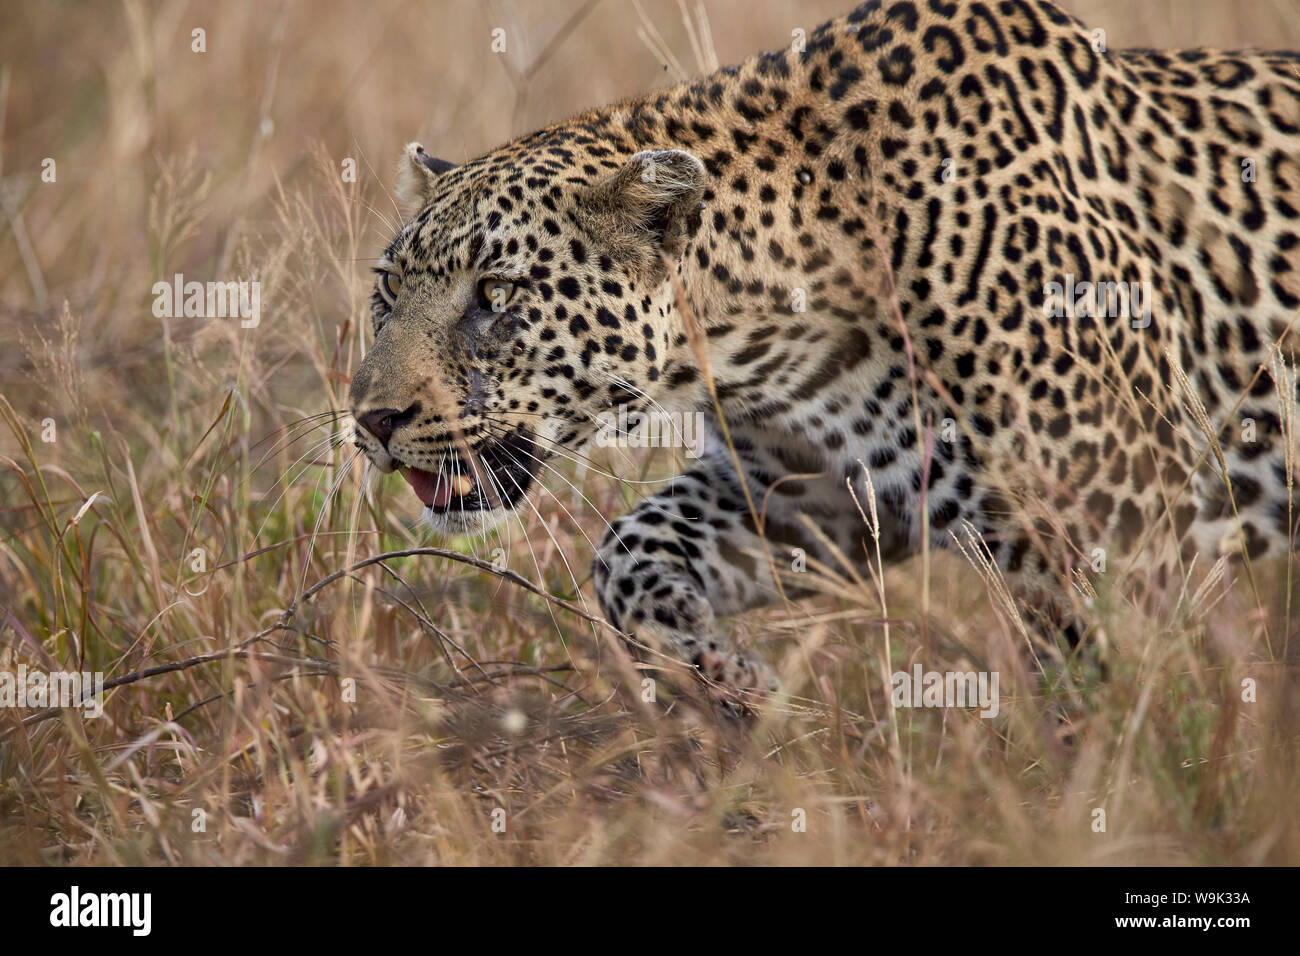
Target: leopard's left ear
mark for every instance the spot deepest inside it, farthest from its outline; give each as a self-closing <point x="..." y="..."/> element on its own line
<point x="416" y="172"/>
<point x="656" y="195"/>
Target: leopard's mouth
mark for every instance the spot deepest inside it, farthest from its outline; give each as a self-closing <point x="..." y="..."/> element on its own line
<point x="498" y="477"/>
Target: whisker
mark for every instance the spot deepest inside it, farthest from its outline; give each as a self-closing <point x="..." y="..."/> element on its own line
<point x="339" y="437"/>
<point x="510" y="541"/>
<point x="301" y="426"/>
<point x="577" y="589"/>
<point x="304" y="419"/>
<point x="334" y="442"/>
<point x="541" y="579"/>
<point x="655" y="404"/>
<point x="455" y="461"/>
<point x="589" y="502"/>
<point x="578" y="458"/>
<point x="320" y="517"/>
<point x="542" y="485"/>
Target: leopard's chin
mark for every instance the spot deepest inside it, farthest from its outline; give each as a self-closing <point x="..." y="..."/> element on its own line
<point x="448" y="523"/>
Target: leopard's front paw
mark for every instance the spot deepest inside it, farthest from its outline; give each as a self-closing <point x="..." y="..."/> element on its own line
<point x="737" y="671"/>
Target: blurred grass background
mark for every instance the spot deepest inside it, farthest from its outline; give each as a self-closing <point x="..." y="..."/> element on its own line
<point x="192" y="434"/>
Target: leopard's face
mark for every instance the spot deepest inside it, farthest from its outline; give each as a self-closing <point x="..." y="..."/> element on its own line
<point x="516" y="305"/>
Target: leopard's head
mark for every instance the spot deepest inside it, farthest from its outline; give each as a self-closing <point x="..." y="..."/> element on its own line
<point x="527" y="293"/>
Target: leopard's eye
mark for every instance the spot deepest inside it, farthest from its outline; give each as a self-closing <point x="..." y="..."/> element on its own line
<point x="390" y="283"/>
<point x="495" y="294"/>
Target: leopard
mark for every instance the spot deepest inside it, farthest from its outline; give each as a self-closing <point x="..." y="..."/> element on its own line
<point x="950" y="269"/>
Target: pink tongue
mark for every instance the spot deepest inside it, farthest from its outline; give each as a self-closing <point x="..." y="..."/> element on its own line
<point x="428" y="488"/>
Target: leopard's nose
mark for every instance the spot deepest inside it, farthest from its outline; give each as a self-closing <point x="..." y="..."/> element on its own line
<point x="381" y="422"/>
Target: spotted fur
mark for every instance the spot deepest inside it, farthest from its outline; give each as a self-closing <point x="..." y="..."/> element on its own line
<point x="919" y="175"/>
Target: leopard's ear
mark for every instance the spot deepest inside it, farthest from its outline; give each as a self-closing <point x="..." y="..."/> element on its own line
<point x="656" y="195"/>
<point x="416" y="172"/>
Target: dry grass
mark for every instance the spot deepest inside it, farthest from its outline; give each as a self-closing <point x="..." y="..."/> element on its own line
<point x="471" y="692"/>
